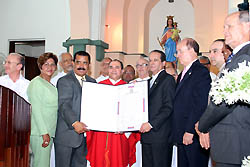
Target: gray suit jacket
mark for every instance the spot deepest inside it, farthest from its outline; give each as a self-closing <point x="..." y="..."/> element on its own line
<point x="229" y="126"/>
<point x="69" y="110"/>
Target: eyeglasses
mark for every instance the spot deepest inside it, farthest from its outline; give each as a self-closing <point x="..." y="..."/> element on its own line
<point x="9" y="62"/>
<point x="141" y="65"/>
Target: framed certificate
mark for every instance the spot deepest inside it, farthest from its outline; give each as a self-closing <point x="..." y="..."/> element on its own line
<point x="114" y="108"/>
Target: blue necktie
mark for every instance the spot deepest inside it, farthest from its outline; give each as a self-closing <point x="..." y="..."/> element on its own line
<point x="229" y="58"/>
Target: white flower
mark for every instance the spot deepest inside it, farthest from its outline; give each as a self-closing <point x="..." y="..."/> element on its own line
<point x="234" y="86"/>
<point x="246" y="162"/>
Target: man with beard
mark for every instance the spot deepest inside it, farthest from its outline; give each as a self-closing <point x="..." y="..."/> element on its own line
<point x="66" y="63"/>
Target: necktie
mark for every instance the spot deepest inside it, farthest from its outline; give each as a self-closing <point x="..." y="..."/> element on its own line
<point x="229" y="58"/>
<point x="183" y="73"/>
<point x="83" y="79"/>
<point x="152" y="82"/>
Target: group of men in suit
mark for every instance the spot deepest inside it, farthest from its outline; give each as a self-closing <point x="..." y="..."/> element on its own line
<point x="174" y="109"/>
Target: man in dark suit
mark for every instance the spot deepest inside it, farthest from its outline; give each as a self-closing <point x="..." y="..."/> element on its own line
<point x="191" y="98"/>
<point x="156" y="149"/>
<point x="70" y="143"/>
<point x="229" y="125"/>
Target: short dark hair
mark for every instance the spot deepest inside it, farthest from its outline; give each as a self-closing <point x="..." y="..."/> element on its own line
<point x="117" y="61"/>
<point x="163" y="56"/>
<point x="226" y="46"/>
<point x="129" y="65"/>
<point x="219" y="40"/>
<point x="44" y="57"/>
<point x="191" y="43"/>
<point x="82" y="53"/>
<point x="204" y="58"/>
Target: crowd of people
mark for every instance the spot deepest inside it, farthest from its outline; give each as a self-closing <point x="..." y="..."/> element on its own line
<point x="181" y="113"/>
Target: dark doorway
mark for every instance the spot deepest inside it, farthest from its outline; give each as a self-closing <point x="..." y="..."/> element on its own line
<point x="31" y="50"/>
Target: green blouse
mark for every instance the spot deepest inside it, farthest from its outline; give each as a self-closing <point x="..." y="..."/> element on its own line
<point x="43" y="97"/>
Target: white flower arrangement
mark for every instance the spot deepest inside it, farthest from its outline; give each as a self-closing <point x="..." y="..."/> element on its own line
<point x="234" y="86"/>
<point x="246" y="162"/>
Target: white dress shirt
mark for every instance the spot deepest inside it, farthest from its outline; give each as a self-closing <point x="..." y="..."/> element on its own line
<point x="20" y="86"/>
<point x="139" y="79"/>
<point x="154" y="78"/>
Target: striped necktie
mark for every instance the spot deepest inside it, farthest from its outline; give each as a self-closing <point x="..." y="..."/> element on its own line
<point x="229" y="58"/>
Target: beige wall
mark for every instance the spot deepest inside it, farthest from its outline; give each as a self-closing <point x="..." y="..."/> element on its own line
<point x="114" y="25"/>
<point x="209" y="20"/>
<point x="79" y="16"/>
<point x="129" y="23"/>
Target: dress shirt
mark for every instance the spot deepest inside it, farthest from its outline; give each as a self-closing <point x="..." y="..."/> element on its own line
<point x="183" y="73"/>
<point x="154" y="78"/>
<point x="220" y="71"/>
<point x="188" y="66"/>
<point x="56" y="77"/>
<point x="80" y="79"/>
<point x="140" y="79"/>
<point x="101" y="78"/>
<point x="20" y="86"/>
<point x="237" y="49"/>
<point x="213" y="76"/>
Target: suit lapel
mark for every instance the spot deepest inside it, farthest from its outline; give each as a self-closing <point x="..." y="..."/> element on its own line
<point x="186" y="76"/>
<point x="75" y="80"/>
<point x="234" y="63"/>
<point x="156" y="82"/>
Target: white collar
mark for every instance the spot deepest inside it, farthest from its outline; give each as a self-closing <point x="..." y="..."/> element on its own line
<point x="20" y="78"/>
<point x="113" y="81"/>
<point x="238" y="48"/>
<point x="189" y="65"/>
<point x="156" y="75"/>
<point x="142" y="79"/>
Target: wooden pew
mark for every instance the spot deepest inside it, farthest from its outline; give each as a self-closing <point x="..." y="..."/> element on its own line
<point x="14" y="129"/>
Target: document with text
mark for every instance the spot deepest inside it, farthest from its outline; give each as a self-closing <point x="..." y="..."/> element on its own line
<point x="114" y="108"/>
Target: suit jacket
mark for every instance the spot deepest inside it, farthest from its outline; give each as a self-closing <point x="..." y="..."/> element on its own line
<point x="191" y="98"/>
<point x="160" y="107"/>
<point x="229" y="126"/>
<point x="69" y="110"/>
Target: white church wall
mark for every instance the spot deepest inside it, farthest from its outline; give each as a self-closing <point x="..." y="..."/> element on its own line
<point x="183" y="14"/>
<point x="232" y="5"/>
<point x="31" y="20"/>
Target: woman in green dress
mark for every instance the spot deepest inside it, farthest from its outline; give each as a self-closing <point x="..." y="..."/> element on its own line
<point x="43" y="97"/>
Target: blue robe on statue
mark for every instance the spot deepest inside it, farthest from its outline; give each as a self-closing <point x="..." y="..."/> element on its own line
<point x="170" y="47"/>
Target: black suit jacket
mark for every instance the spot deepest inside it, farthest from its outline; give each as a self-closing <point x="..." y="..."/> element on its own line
<point x="191" y="99"/>
<point x="69" y="110"/>
<point x="160" y="107"/>
<point x="229" y="126"/>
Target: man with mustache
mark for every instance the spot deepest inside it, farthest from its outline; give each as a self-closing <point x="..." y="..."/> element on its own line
<point x="70" y="142"/>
